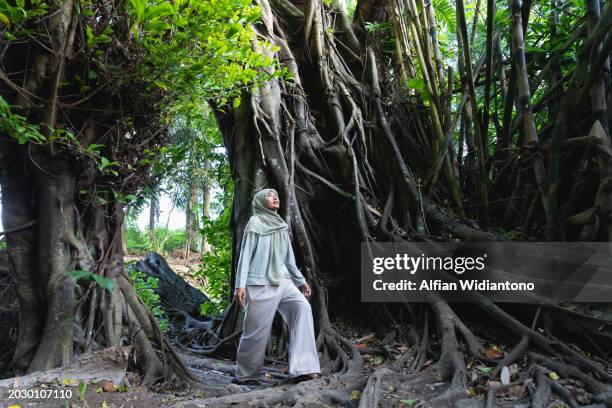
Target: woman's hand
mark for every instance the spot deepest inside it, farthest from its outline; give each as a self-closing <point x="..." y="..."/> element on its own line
<point x="305" y="288"/>
<point x="240" y="296"/>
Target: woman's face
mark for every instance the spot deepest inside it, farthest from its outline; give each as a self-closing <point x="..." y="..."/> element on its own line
<point x="272" y="202"/>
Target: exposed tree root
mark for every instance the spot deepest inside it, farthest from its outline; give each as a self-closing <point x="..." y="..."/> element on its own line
<point x="449" y="381"/>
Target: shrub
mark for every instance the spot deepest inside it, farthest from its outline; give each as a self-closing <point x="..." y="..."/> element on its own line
<point x="216" y="266"/>
<point x="145" y="288"/>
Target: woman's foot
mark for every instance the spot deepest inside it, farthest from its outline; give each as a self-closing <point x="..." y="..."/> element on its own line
<point x="245" y="382"/>
<point x="298" y="379"/>
<point x="306" y="377"/>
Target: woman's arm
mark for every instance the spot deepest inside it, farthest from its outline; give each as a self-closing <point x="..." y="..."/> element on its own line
<point x="296" y="275"/>
<point x="249" y="243"/>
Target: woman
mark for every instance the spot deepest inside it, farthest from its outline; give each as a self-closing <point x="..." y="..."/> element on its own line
<point x="267" y="280"/>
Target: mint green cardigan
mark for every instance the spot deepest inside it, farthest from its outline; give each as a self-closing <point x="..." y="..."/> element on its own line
<point x="254" y="254"/>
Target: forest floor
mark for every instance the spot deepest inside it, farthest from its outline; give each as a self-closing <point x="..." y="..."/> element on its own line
<point x="213" y="372"/>
<point x="377" y="352"/>
<point x="217" y="373"/>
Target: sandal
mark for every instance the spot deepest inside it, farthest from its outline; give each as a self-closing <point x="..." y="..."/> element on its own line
<point x="306" y="377"/>
<point x="245" y="382"/>
<point x="298" y="379"/>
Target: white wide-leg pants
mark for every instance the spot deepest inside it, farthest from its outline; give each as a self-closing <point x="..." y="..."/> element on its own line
<point x="262" y="301"/>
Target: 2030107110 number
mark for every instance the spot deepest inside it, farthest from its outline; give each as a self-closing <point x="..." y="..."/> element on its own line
<point x="40" y="394"/>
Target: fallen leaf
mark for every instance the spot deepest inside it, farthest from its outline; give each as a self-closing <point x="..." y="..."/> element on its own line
<point x="70" y="382"/>
<point x="355" y="395"/>
<point x="108" y="386"/>
<point x="485" y="369"/>
<point x="409" y="402"/>
<point x="553" y="376"/>
<point x="493" y="352"/>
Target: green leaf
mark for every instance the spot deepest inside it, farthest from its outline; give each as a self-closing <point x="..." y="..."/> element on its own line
<point x="82" y="389"/>
<point x="102" y="38"/>
<point x="534" y="49"/>
<point x="234" y="28"/>
<point x="416" y="83"/>
<point x="236" y="103"/>
<point x="90" y="36"/>
<point x="86" y="276"/>
<point x="160" y="10"/>
<point x="139" y="8"/>
<point x="445" y="12"/>
<point x="94" y="147"/>
<point x="4" y="19"/>
<point x="408" y="401"/>
<point x="485" y="369"/>
<point x="158" y="26"/>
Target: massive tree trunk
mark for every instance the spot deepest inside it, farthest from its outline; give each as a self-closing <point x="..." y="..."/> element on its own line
<point x="347" y="156"/>
<point x="57" y="318"/>
<point x="63" y="214"/>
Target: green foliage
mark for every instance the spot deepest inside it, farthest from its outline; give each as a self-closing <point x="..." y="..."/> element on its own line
<point x="164" y="242"/>
<point x="175" y="239"/>
<point x="13" y="14"/>
<point x="140" y="242"/>
<point x="372" y="27"/>
<point x="216" y="266"/>
<point x="444" y="11"/>
<point x="86" y="277"/>
<point x="136" y="241"/>
<point x="200" y="49"/>
<point x="17" y="127"/>
<point x="145" y="288"/>
<point x="351" y="5"/>
<point x="82" y="390"/>
<point x="163" y="59"/>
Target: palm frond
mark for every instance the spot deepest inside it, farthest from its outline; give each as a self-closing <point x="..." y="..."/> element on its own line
<point x="445" y="13"/>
